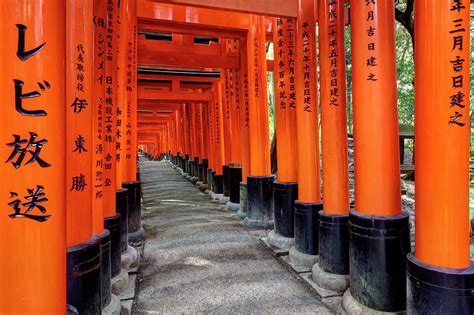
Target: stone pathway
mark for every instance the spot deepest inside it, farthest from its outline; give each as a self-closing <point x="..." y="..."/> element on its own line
<point x="198" y="258"/>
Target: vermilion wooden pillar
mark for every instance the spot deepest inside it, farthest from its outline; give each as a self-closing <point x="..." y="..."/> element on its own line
<point x="112" y="219"/>
<point x="210" y="128"/>
<point x="235" y="165"/>
<point x="260" y="181"/>
<point x="286" y="188"/>
<point x="128" y="124"/>
<point x="244" y="125"/>
<point x="187" y="141"/>
<point x="205" y="144"/>
<point x="218" y="142"/>
<point x="440" y="272"/>
<point x="83" y="290"/>
<point x="200" y="138"/>
<point x="333" y="221"/>
<point x="33" y="170"/>
<point x="97" y="148"/>
<point x="226" y="103"/>
<point x="379" y="232"/>
<point x="309" y="196"/>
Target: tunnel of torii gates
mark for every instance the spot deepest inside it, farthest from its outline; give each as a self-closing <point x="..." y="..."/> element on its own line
<point x="87" y="83"/>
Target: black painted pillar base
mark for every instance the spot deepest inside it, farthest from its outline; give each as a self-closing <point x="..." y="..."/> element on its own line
<point x="83" y="277"/>
<point x="435" y="290"/>
<point x="196" y="168"/>
<point x="134" y="208"/>
<point x="260" y="201"/>
<point x="210" y="182"/>
<point x="114" y="226"/>
<point x="235" y="177"/>
<point x="377" y="258"/>
<point x="122" y="208"/>
<point x="199" y="173"/>
<point x="105" y="276"/>
<point x="205" y="165"/>
<point x="332" y="271"/>
<point x="186" y="163"/>
<point x="285" y="195"/>
<point x="191" y="168"/>
<point x="217" y="184"/>
<point x="334" y="243"/>
<point x="307" y="227"/>
<point x="226" y="180"/>
<point x="138" y="175"/>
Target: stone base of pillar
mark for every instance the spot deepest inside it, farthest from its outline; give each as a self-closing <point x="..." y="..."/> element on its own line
<point x="208" y="192"/>
<point x="306" y="228"/>
<point x="235" y="177"/>
<point x="233" y="206"/>
<point x="83" y="277"/>
<point x="280" y="241"/>
<point x="329" y="281"/>
<point x="224" y="200"/>
<point x="113" y="225"/>
<point x="105" y="276"/>
<point x="352" y="307"/>
<point x="243" y="211"/>
<point x="114" y="307"/>
<point x="378" y="249"/>
<point x="188" y="177"/>
<point x="260" y="202"/>
<point x="120" y="283"/>
<point x="216" y="197"/>
<point x="194" y="180"/>
<point x="134" y="206"/>
<point x="130" y="259"/>
<point x="285" y="195"/>
<point x="122" y="208"/>
<point x="136" y="237"/>
<point x="435" y="290"/>
<point x="301" y="259"/>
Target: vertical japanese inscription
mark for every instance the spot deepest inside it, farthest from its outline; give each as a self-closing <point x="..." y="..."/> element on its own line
<point x="458" y="30"/>
<point x="371" y="62"/>
<point x="99" y="73"/>
<point x="32" y="204"/>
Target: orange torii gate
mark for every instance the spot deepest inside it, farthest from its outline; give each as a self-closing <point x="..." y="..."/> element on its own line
<point x="217" y="114"/>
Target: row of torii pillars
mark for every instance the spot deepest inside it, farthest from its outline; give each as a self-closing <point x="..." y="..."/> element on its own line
<point x="223" y="145"/>
<point x="70" y="186"/>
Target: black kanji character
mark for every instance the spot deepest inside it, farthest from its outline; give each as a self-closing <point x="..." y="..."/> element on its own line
<point x="21" y="53"/>
<point x="19" y="96"/>
<point x="18" y="149"/>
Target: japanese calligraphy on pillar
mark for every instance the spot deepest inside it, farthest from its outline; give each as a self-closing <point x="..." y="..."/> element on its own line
<point x="110" y="102"/>
<point x="370" y="32"/>
<point x="129" y="88"/>
<point x="459" y="63"/>
<point x="281" y="59"/>
<point x="332" y="29"/>
<point x="237" y="90"/>
<point x="27" y="196"/>
<point x="290" y="62"/>
<point x="227" y="98"/>
<point x="99" y="95"/>
<point x="246" y="100"/>
<point x="306" y="49"/>
<point x="256" y="64"/>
